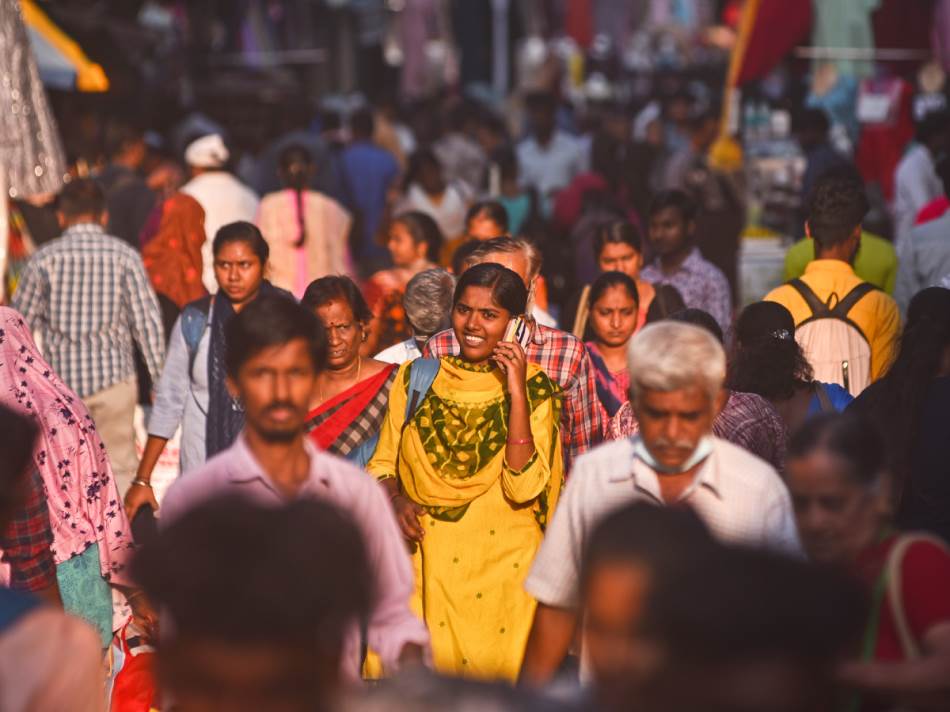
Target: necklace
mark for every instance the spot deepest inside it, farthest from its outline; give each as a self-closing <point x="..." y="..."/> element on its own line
<point x="359" y="370"/>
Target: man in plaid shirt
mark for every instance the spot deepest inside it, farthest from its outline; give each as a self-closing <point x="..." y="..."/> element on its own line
<point x="48" y="658"/>
<point x="87" y="295"/>
<point x="26" y="559"/>
<point x="559" y="354"/>
<point x="26" y="541"/>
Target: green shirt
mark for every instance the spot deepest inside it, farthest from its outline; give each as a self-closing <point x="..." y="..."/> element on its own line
<point x="876" y="261"/>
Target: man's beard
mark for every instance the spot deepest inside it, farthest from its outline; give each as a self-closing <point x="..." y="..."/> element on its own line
<point x="278" y="436"/>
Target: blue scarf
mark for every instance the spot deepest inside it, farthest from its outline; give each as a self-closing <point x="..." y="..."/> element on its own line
<point x="225" y="414"/>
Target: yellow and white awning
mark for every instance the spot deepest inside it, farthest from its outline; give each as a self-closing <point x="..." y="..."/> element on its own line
<point x="62" y="63"/>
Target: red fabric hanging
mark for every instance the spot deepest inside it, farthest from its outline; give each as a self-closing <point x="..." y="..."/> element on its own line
<point x="881" y="147"/>
<point x="579" y="21"/>
<point x="779" y="26"/>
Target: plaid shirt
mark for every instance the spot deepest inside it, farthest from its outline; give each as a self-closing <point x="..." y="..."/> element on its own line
<point x="701" y="284"/>
<point x="88" y="296"/>
<point x="25" y="545"/>
<point x="565" y="360"/>
<point x="747" y="420"/>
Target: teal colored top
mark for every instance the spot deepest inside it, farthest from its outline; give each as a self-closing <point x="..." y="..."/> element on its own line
<point x="518" y="209"/>
<point x="876" y="261"/>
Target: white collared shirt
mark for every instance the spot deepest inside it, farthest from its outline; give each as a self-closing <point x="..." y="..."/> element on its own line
<point x="225" y="200"/>
<point x="407" y="350"/>
<point x="740" y="498"/>
<point x="553" y="166"/>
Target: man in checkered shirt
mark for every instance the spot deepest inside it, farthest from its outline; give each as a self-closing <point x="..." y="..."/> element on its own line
<point x="87" y="295"/>
<point x="559" y="354"/>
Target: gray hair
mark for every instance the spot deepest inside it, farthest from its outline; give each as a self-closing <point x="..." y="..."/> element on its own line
<point x="506" y="245"/>
<point x="428" y="302"/>
<point x="669" y="355"/>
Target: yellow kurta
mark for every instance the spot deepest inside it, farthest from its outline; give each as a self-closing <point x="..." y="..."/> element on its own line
<point x="483" y="521"/>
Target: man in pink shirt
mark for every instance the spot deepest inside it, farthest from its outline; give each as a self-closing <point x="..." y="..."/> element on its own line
<point x="274" y="350"/>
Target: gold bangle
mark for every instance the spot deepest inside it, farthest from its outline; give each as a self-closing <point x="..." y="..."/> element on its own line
<point x="142" y="483"/>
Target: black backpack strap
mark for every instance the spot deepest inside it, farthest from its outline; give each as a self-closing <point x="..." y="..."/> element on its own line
<point x="818" y="308"/>
<point x="850" y="299"/>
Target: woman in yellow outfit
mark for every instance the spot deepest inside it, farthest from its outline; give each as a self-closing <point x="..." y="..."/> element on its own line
<point x="474" y="475"/>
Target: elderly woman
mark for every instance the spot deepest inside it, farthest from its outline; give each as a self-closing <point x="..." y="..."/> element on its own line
<point x="835" y="471"/>
<point x="473" y="467"/>
<point x="349" y="403"/>
<point x="428" y="306"/>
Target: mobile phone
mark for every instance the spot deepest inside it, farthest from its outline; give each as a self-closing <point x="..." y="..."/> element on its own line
<point x="517" y="331"/>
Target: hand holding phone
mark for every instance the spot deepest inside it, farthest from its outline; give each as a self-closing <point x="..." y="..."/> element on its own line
<point x="518" y="331"/>
<point x="509" y="353"/>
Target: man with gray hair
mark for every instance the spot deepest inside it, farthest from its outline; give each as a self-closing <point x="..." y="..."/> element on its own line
<point x="428" y="306"/>
<point x="677" y="372"/>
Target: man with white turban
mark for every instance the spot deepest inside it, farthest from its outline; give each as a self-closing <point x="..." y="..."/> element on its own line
<point x="224" y="198"/>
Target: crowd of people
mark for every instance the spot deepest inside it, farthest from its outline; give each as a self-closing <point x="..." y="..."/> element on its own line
<point x="479" y="420"/>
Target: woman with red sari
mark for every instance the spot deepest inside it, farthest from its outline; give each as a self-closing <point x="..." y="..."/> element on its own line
<point x="349" y="402"/>
<point x="835" y="471"/>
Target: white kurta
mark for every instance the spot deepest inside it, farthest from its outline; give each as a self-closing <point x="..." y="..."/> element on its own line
<point x="225" y="199"/>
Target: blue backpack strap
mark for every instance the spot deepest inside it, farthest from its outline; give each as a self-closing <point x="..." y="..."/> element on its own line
<point x="194" y="321"/>
<point x="14" y="605"/>
<point x="364" y="453"/>
<point x="422" y="374"/>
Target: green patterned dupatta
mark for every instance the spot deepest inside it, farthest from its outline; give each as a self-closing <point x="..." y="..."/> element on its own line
<point x="462" y="429"/>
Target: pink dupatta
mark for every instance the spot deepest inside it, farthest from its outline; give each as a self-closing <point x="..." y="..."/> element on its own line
<point x="84" y="504"/>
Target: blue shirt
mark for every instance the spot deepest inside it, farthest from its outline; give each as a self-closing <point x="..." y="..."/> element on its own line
<point x="838" y="396"/>
<point x="367" y="173"/>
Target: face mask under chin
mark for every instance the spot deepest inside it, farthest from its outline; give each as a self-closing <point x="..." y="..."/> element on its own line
<point x="700" y="453"/>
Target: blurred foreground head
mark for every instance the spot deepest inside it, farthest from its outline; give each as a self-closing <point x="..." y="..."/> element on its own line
<point x="255" y="603"/>
<point x="680" y="623"/>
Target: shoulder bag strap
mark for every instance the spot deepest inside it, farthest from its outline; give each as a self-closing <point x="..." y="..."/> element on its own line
<point x="818" y="308"/>
<point x="422" y="374"/>
<point x="895" y="590"/>
<point x="583" y="312"/>
<point x="851" y="298"/>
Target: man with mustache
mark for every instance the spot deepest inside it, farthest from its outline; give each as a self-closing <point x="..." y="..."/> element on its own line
<point x="275" y="348"/>
<point x="676" y="380"/>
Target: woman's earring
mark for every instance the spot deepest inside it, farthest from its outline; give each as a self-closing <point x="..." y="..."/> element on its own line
<point x="365" y="336"/>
